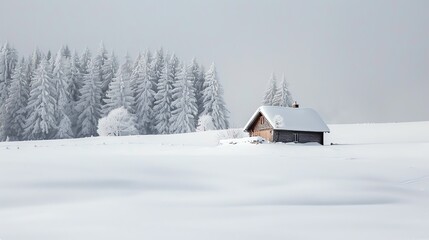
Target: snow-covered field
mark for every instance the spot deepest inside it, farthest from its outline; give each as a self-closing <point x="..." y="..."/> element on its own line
<point x="373" y="184"/>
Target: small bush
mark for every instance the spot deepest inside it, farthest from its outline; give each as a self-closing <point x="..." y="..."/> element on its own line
<point x="205" y="123"/>
<point x="232" y="133"/>
<point x="119" y="122"/>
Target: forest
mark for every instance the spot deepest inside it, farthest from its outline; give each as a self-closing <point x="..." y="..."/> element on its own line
<point x="64" y="95"/>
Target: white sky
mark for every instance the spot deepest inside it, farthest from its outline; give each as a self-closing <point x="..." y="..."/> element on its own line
<point x="353" y="61"/>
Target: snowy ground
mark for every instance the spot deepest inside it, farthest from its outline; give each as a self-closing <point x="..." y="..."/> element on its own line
<point x="373" y="185"/>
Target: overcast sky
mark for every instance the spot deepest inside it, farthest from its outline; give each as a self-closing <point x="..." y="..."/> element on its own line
<point x="353" y="61"/>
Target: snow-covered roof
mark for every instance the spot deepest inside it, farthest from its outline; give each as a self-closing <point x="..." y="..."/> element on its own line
<point x="287" y="118"/>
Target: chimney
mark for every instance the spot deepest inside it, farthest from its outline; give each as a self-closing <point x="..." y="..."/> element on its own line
<point x="295" y="104"/>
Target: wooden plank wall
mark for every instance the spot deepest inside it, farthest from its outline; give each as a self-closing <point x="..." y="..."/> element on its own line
<point x="267" y="134"/>
<point x="261" y="127"/>
<point x="261" y="124"/>
<point x="303" y="137"/>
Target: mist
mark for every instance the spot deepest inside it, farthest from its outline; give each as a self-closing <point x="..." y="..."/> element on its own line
<point x="352" y="61"/>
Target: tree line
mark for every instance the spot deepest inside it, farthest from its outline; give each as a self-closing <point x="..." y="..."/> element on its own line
<point x="63" y="95"/>
<point x="278" y="95"/>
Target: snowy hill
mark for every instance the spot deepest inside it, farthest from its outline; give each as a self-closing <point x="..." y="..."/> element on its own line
<point x="372" y="184"/>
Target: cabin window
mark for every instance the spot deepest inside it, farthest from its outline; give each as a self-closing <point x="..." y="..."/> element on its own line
<point x="296" y="137"/>
<point x="262" y="120"/>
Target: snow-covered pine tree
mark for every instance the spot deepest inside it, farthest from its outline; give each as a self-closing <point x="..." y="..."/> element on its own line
<point x="3" y="97"/>
<point x="76" y="82"/>
<point x="16" y="103"/>
<point x="8" y="60"/>
<point x="108" y="71"/>
<point x="175" y="67"/>
<point x="127" y="69"/>
<point x="89" y="104"/>
<point x="64" y="112"/>
<point x="200" y="88"/>
<point x="184" y="103"/>
<point x="214" y="105"/>
<point x="127" y="72"/>
<point x="28" y="71"/>
<point x="144" y="94"/>
<point x="271" y="92"/>
<point x="157" y="68"/>
<point x="134" y="67"/>
<point x="85" y="59"/>
<point x="136" y="61"/>
<point x="64" y="128"/>
<point x="100" y="59"/>
<point x="52" y="62"/>
<point x="36" y="57"/>
<point x="163" y="99"/>
<point x="76" y="77"/>
<point x="66" y="53"/>
<point x="198" y="81"/>
<point x="49" y="56"/>
<point x="120" y="93"/>
<point x="40" y="123"/>
<point x="283" y="97"/>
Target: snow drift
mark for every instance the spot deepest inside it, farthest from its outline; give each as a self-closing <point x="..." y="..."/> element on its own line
<point x="373" y="185"/>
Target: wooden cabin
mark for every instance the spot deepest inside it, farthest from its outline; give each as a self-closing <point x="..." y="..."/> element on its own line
<point x="287" y="124"/>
